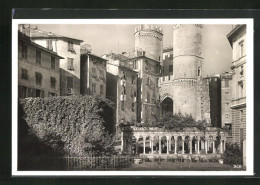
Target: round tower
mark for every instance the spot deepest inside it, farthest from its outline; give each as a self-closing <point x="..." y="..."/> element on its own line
<point x="149" y="41"/>
<point x="187" y="68"/>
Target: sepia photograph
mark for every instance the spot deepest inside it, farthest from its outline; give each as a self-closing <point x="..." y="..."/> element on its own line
<point x="132" y="97"/>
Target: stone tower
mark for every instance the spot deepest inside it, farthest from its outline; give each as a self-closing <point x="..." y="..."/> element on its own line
<point x="149" y="41"/>
<point x="181" y="92"/>
<point x="187" y="68"/>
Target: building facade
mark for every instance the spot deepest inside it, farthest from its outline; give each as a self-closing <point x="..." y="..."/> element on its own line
<point x="69" y="49"/>
<point x="92" y="75"/>
<point x="237" y="40"/>
<point x="226" y="97"/>
<point x="38" y="69"/>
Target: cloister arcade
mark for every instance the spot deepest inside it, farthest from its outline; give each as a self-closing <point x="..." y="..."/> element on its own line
<point x="155" y="141"/>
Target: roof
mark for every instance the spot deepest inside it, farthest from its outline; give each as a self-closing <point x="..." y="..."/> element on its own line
<point x="231" y="35"/>
<point x="143" y="56"/>
<point x="117" y="56"/>
<point x="40" y="34"/>
<point x="27" y="39"/>
<point x="91" y="54"/>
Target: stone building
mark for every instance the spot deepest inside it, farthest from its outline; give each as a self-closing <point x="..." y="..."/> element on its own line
<point x="38" y="69"/>
<point x="148" y="71"/>
<point x="92" y="75"/>
<point x="237" y="40"/>
<point x="167" y="63"/>
<point x="180" y="89"/>
<point x="121" y="89"/>
<point x="226" y="97"/>
<point x="69" y="49"/>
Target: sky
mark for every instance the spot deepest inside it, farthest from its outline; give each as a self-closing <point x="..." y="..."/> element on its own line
<point x="119" y="38"/>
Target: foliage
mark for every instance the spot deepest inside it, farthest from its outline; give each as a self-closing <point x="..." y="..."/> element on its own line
<point x="233" y="154"/>
<point x="73" y="125"/>
<point x="176" y="122"/>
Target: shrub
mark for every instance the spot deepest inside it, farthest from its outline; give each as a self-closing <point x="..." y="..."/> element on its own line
<point x="233" y="155"/>
<point x="73" y="125"/>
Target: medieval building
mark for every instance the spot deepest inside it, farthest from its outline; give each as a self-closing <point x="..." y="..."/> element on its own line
<point x="171" y="80"/>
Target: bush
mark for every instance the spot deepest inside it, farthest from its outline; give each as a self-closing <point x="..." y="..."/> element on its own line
<point x="73" y="125"/>
<point x="233" y="155"/>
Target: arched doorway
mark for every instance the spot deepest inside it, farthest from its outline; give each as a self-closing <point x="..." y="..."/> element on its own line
<point x="167" y="105"/>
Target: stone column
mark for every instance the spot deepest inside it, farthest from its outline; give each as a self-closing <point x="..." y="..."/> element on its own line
<point x="190" y="146"/>
<point x="213" y="147"/>
<point x="160" y="151"/>
<point x="170" y="143"/>
<point x="224" y="145"/>
<point x="198" y="147"/>
<point x="167" y="146"/>
<point x="206" y="146"/>
<point x="221" y="147"/>
<point x="144" y="144"/>
<point x="122" y="144"/>
<point x="152" y="146"/>
<point x="182" y="146"/>
<point x="175" y="146"/>
<point x="136" y="146"/>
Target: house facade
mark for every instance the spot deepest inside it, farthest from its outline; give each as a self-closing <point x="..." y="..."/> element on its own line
<point x="226" y="97"/>
<point x="237" y="40"/>
<point x="69" y="49"/>
<point x="38" y="69"/>
<point x="92" y="75"/>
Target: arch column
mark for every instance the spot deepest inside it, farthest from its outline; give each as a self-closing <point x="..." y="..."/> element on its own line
<point x="122" y="144"/>
<point x="198" y="146"/>
<point x="190" y="143"/>
<point x="175" y="145"/>
<point x="160" y="151"/>
<point x="206" y="146"/>
<point x="221" y="147"/>
<point x="152" y="146"/>
<point x="182" y="145"/>
<point x="136" y="145"/>
<point x="170" y="142"/>
<point x="144" y="138"/>
<point x="214" y="150"/>
<point x="167" y="145"/>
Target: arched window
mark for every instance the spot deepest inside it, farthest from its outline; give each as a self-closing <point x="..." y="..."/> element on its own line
<point x="199" y="71"/>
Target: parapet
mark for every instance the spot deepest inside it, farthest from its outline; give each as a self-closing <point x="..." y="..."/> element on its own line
<point x="148" y="27"/>
<point x="175" y="26"/>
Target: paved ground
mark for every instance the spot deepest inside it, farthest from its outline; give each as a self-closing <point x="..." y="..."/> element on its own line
<point x="181" y="166"/>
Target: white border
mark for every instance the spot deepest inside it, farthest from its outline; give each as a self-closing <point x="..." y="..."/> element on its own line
<point x="249" y="99"/>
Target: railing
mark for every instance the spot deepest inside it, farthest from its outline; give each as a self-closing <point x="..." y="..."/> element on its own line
<point x="74" y="163"/>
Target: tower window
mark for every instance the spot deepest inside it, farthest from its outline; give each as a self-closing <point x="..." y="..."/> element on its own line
<point x="53" y="82"/>
<point x="69" y="82"/>
<point x="199" y="71"/>
<point x="49" y="44"/>
<point x="242" y="48"/>
<point x="241" y="71"/>
<point x="226" y="83"/>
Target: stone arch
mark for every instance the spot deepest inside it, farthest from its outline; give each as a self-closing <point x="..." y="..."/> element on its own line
<point x="187" y="146"/>
<point x="167" y="105"/>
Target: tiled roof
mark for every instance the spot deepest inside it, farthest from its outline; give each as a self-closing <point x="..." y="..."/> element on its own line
<point x="36" y="33"/>
<point x="27" y="39"/>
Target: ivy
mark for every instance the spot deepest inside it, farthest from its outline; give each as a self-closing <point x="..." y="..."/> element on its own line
<point x="74" y="125"/>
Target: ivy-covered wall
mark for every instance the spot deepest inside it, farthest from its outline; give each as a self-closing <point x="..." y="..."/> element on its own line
<point x="73" y="125"/>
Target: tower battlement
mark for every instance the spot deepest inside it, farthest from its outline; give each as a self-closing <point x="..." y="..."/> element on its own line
<point x="175" y="26"/>
<point x="148" y="27"/>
